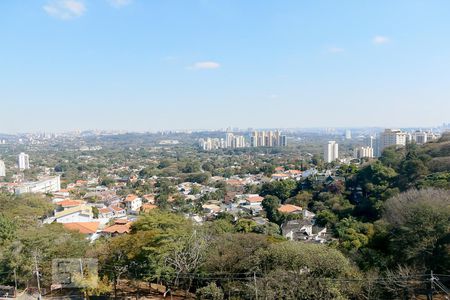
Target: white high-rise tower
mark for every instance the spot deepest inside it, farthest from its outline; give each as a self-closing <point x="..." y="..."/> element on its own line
<point x="23" y="161"/>
<point x="2" y="169"/>
<point x="331" y="151"/>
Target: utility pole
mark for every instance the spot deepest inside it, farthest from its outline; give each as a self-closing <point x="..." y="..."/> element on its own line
<point x="81" y="269"/>
<point x="256" y="287"/>
<point x="431" y="285"/>
<point x="37" y="275"/>
<point x="15" y="282"/>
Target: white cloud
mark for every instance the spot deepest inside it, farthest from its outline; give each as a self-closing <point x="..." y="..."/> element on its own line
<point x="205" y="65"/>
<point x="65" y="9"/>
<point x="120" y="3"/>
<point x="335" y="50"/>
<point x="379" y="39"/>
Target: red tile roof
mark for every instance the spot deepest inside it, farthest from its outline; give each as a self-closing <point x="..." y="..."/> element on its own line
<point x="83" y="227"/>
<point x="255" y="199"/>
<point x="70" y="203"/>
<point x="118" y="228"/>
<point x="117" y="208"/>
<point x="130" y="197"/>
<point x="289" y="208"/>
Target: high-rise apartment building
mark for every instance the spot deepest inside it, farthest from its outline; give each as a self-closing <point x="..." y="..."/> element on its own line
<point x="331" y="151"/>
<point x="23" y="161"/>
<point x="392" y="137"/>
<point x="422" y="137"/>
<point x="231" y="141"/>
<point x="364" y="152"/>
<point x="2" y="169"/>
<point x="268" y="139"/>
<point x="234" y="141"/>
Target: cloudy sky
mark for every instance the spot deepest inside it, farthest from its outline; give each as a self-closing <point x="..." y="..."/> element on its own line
<point x="172" y="64"/>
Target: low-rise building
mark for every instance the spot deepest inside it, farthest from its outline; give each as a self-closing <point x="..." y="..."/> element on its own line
<point x="80" y="213"/>
<point x="290" y="209"/>
<point x="254" y="199"/>
<point x="120" y="226"/>
<point x="45" y="185"/>
<point x="133" y="203"/>
<point x="304" y="230"/>
<point x="87" y="228"/>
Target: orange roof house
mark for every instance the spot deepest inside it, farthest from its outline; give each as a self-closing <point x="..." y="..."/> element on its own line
<point x="294" y="172"/>
<point x="254" y="198"/>
<point x="130" y="197"/>
<point x="83" y="227"/>
<point x="148" y="207"/>
<point x="280" y="176"/>
<point x="70" y="203"/>
<point x="289" y="209"/>
<point x="119" y="227"/>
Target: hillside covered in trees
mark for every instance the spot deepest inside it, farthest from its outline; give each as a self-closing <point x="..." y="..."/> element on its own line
<point x="390" y="221"/>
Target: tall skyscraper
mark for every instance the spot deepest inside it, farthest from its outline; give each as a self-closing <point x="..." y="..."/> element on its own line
<point x="23" y="161"/>
<point x="331" y="151"/>
<point x="391" y="137"/>
<point x="2" y="169"/>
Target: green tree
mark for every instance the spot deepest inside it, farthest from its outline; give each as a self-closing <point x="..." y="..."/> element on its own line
<point x="210" y="292"/>
<point x="420" y="228"/>
<point x="282" y="189"/>
<point x="376" y="183"/>
<point x="271" y="205"/>
<point x="313" y="271"/>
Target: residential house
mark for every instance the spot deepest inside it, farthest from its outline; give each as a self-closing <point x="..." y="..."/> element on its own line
<point x="211" y="209"/>
<point x="105" y="212"/>
<point x="280" y="176"/>
<point x="290" y="209"/>
<point x="304" y="230"/>
<point x="147" y="207"/>
<point x="87" y="228"/>
<point x="79" y="213"/>
<point x="120" y="226"/>
<point x="133" y="203"/>
<point x="253" y="204"/>
<point x="254" y="199"/>
<point x="119" y="212"/>
<point x="68" y="203"/>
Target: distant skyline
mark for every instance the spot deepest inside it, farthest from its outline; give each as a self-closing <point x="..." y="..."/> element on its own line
<point x="140" y="65"/>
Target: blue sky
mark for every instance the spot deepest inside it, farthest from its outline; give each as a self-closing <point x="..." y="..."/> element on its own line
<point x="166" y="64"/>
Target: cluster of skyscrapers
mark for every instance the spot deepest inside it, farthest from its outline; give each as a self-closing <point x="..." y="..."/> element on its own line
<point x="233" y="141"/>
<point x="376" y="145"/>
<point x="397" y="137"/>
<point x="230" y="141"/>
<point x="268" y="139"/>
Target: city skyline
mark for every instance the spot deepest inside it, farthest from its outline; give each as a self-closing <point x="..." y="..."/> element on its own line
<point x="158" y="65"/>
